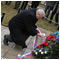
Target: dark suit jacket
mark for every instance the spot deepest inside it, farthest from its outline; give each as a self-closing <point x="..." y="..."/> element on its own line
<point x="22" y="25"/>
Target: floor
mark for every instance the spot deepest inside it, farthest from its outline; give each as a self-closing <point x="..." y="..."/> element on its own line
<point x="12" y="50"/>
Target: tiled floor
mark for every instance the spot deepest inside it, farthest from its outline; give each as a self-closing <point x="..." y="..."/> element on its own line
<point x="12" y="50"/>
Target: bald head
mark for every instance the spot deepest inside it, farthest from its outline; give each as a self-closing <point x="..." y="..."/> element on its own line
<point x="40" y="13"/>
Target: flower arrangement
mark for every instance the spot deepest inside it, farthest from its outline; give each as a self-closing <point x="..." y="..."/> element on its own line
<point x="49" y="48"/>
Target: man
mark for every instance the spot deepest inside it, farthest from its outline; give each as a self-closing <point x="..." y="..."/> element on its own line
<point x="17" y="4"/>
<point x="8" y="2"/>
<point x="35" y="4"/>
<point x="49" y="6"/>
<point x="24" y="4"/>
<point x="57" y="15"/>
<point x="3" y="14"/>
<point x="23" y="25"/>
<point x="54" y="11"/>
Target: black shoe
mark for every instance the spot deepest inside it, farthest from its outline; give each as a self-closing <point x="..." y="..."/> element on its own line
<point x="5" y="41"/>
<point x="24" y="47"/>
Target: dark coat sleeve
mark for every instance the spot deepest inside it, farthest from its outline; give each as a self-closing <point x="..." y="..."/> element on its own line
<point x="29" y="25"/>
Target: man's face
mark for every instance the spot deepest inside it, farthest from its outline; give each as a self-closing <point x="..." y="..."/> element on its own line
<point x="38" y="16"/>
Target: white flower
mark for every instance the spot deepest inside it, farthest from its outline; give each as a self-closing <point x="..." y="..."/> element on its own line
<point x="39" y="50"/>
<point x="45" y="52"/>
<point x="36" y="53"/>
<point x="42" y="52"/>
<point x="19" y="55"/>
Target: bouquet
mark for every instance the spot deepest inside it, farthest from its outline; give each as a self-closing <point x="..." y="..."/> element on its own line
<point x="50" y="47"/>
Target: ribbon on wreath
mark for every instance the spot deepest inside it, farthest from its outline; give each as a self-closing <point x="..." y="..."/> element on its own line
<point x="34" y="46"/>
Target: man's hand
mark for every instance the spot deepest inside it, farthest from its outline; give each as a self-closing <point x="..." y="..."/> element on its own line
<point x="38" y="31"/>
<point x="40" y="35"/>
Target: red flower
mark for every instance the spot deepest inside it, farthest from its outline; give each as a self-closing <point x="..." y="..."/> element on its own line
<point x="44" y="47"/>
<point x="52" y="39"/>
<point x="48" y="39"/>
<point x="48" y="46"/>
<point x="39" y="47"/>
<point x="48" y="36"/>
<point x="45" y="43"/>
<point x="51" y="36"/>
<point x="55" y="35"/>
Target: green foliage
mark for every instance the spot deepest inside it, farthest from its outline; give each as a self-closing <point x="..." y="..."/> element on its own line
<point x="52" y="53"/>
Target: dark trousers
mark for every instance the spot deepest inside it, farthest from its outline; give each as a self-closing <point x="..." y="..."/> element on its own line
<point x="23" y="6"/>
<point x="2" y="17"/>
<point x="56" y="18"/>
<point x="8" y="2"/>
<point x="8" y="37"/>
<point x="48" y="12"/>
<point x="53" y="13"/>
<point x="47" y="9"/>
<point x="34" y="4"/>
<point x="17" y="4"/>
